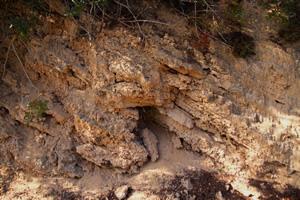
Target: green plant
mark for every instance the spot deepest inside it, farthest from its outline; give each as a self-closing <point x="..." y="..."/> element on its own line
<point x="76" y="7"/>
<point x="21" y="26"/>
<point x="36" y="110"/>
<point x="235" y="12"/>
<point x="243" y="45"/>
<point x="286" y="14"/>
<point x="280" y="10"/>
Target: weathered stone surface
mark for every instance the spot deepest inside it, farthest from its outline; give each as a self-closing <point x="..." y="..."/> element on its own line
<point x="58" y="112"/>
<point x="176" y="142"/>
<point x="151" y="144"/>
<point x="241" y="115"/>
<point x="121" y="192"/>
<point x="5" y="130"/>
<point x="53" y="53"/>
<point x="177" y="61"/>
<point x="143" y="195"/>
<point x="219" y="196"/>
<point x="295" y="159"/>
<point x="124" y="156"/>
<point x="102" y="127"/>
<point x="178" y="81"/>
<point x="180" y="116"/>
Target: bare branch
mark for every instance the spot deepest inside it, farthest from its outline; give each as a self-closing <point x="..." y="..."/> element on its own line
<point x="133" y="15"/>
<point x="16" y="54"/>
<point x="6" y="58"/>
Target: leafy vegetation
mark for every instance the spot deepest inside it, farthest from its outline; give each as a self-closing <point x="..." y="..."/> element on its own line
<point x="287" y="14"/>
<point x="280" y="10"/>
<point x="21" y="26"/>
<point x="210" y="18"/>
<point x="36" y="110"/>
<point x="235" y="12"/>
<point x="243" y="45"/>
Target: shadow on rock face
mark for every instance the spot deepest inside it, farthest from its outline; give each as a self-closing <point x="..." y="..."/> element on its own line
<point x="270" y="193"/>
<point x="64" y="194"/>
<point x="199" y="185"/>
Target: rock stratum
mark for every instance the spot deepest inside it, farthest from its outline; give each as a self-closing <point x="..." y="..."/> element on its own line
<point x="116" y="103"/>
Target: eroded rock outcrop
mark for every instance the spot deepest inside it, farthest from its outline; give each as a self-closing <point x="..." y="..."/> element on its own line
<point x="151" y="143"/>
<point x="243" y="115"/>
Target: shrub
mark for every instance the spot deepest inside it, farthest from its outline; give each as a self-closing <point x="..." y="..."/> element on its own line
<point x="36" y="110"/>
<point x="286" y="13"/>
<point x="235" y="12"/>
<point x="21" y="26"/>
<point x="280" y="10"/>
<point x="243" y="45"/>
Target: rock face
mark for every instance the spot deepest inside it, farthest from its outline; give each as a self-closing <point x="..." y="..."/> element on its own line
<point x="179" y="116"/>
<point x="121" y="192"/>
<point x="244" y="116"/>
<point x="122" y="157"/>
<point x="151" y="144"/>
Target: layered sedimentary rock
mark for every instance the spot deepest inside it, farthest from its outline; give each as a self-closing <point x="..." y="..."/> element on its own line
<point x="243" y="115"/>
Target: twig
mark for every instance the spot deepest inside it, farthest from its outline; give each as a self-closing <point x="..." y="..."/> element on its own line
<point x="26" y="47"/>
<point x="16" y="54"/>
<point x="195" y="22"/>
<point x="141" y="12"/>
<point x="209" y="6"/>
<point x="6" y="58"/>
<point x="102" y="19"/>
<point x="149" y="21"/>
<point x="92" y="9"/>
<point x="88" y="33"/>
<point x="112" y="18"/>
<point x="133" y="15"/>
<point x="205" y="32"/>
